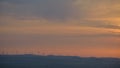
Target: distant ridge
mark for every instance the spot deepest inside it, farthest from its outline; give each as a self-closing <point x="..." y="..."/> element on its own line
<point x="53" y="61"/>
<point x="56" y="56"/>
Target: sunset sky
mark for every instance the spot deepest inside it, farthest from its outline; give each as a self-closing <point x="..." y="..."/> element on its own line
<point x="60" y="27"/>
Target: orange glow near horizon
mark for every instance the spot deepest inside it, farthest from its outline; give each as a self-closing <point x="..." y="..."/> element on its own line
<point x="72" y="51"/>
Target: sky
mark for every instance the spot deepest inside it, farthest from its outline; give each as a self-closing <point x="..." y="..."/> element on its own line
<point x="88" y="28"/>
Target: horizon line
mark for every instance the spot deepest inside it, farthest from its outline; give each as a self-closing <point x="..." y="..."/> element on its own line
<point x="56" y="55"/>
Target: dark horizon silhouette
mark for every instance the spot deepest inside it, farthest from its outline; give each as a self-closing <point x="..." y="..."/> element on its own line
<point x="54" y="61"/>
<point x="44" y="54"/>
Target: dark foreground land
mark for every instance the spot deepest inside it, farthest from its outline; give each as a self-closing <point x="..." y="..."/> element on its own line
<point x="35" y="61"/>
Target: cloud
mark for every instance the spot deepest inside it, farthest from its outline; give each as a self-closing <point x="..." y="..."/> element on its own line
<point x="100" y="24"/>
<point x="106" y="13"/>
<point x="57" y="36"/>
<point x="77" y="10"/>
<point x="49" y="9"/>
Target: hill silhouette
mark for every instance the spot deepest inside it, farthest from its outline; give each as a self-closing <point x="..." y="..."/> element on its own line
<point x="51" y="61"/>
